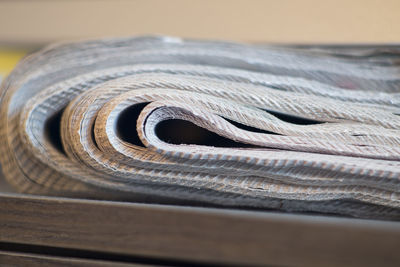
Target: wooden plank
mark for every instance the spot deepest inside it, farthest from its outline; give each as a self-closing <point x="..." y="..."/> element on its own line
<point x="204" y="235"/>
<point x="32" y="260"/>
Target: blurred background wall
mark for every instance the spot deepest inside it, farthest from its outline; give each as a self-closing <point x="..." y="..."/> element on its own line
<point x="33" y="23"/>
<point x="301" y="21"/>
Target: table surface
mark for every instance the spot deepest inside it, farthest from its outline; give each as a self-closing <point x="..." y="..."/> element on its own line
<point x="50" y="228"/>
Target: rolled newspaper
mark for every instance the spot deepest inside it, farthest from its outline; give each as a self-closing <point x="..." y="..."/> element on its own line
<point x="169" y="120"/>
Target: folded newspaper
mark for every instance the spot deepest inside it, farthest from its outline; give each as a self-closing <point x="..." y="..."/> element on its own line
<point x="162" y="119"/>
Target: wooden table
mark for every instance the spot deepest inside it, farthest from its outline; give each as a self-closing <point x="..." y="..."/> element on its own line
<point x="50" y="231"/>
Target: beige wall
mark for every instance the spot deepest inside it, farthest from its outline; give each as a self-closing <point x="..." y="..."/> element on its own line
<point x="300" y="21"/>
